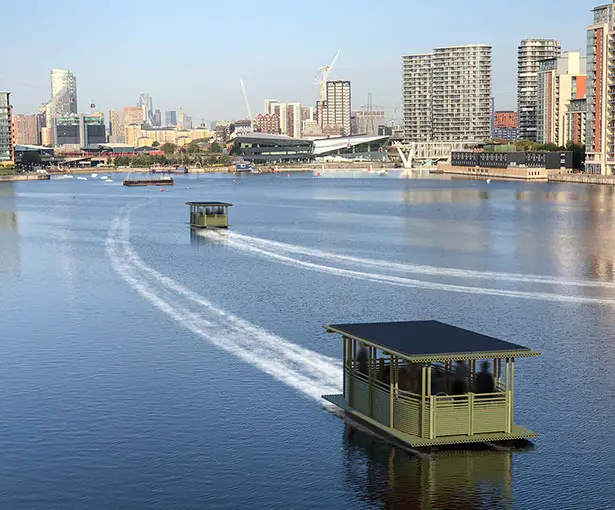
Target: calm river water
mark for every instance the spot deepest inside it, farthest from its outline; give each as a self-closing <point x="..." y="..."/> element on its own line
<point x="145" y="367"/>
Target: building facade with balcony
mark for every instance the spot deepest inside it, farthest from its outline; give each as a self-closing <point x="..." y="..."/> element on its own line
<point x="7" y="155"/>
<point x="600" y="155"/>
<point x="560" y="80"/>
<point x="27" y="129"/>
<point x="417" y="88"/>
<point x="575" y="123"/>
<point x="529" y="55"/>
<point x="462" y="93"/>
<point x="447" y="94"/>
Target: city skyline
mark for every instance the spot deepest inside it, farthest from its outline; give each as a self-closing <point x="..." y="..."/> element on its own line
<point x="115" y="81"/>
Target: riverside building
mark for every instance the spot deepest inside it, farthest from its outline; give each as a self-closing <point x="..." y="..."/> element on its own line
<point x="6" y="131"/>
<point x="560" y="80"/>
<point x="447" y="94"/>
<point x="600" y="153"/>
<point x="530" y="53"/>
<point x="27" y="129"/>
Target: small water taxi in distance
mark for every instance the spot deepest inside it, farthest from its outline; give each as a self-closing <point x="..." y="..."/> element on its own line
<point x="147" y="180"/>
<point x="417" y="385"/>
<point x="208" y="214"/>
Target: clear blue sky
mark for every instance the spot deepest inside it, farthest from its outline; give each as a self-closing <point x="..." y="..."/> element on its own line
<point x="192" y="53"/>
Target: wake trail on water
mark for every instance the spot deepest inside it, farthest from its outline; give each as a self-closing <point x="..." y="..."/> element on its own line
<point x="416" y="268"/>
<point x="256" y="247"/>
<point x="309" y="372"/>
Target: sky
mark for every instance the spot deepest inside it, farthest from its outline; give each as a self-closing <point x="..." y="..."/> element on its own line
<point x="193" y="53"/>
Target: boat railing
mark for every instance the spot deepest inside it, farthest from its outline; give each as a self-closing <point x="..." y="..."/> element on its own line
<point x="443" y="414"/>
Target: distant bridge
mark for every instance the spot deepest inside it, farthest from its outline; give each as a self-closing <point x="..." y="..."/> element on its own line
<point x="412" y="153"/>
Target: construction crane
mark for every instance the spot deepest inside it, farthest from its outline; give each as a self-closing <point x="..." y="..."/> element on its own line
<point x="325" y="70"/>
<point x="245" y="98"/>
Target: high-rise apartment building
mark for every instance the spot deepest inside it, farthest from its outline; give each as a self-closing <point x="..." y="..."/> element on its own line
<point x="7" y="154"/>
<point x="559" y="81"/>
<point x="281" y="110"/>
<point x="600" y="153"/>
<point x="268" y="103"/>
<point x="307" y="113"/>
<point x="27" y="129"/>
<point x="63" y="92"/>
<point x="157" y="118"/>
<point x="116" y="128"/>
<point x="461" y="93"/>
<point x="145" y="102"/>
<point x="576" y="121"/>
<point x="183" y="121"/>
<point x="530" y="53"/>
<point x="295" y="119"/>
<point x="337" y="108"/>
<point x="417" y="89"/>
<point x="133" y="115"/>
<point x="447" y="94"/>
<point x="170" y="118"/>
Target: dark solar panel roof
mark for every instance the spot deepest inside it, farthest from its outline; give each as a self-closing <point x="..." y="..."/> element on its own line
<point x="427" y="339"/>
<point x="209" y="203"/>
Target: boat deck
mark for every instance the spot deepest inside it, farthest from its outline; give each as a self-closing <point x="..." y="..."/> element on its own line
<point x="517" y="432"/>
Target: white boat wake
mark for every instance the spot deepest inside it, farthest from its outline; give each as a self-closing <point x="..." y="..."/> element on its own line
<point x="417" y="268"/>
<point x="307" y="371"/>
<point x="265" y="248"/>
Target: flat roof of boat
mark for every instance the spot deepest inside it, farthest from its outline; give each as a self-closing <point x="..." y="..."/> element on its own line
<point x="209" y="203"/>
<point x="430" y="340"/>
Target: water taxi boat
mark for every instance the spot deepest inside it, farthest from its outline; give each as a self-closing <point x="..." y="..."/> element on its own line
<point x="399" y="379"/>
<point x="208" y="214"/>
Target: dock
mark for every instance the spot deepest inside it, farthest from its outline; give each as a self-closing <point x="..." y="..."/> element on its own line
<point x="31" y="176"/>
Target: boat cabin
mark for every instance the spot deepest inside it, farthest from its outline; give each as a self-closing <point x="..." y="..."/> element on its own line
<point x="208" y="214"/>
<point x="418" y="382"/>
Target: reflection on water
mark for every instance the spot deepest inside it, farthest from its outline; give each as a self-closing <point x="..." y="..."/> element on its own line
<point x="8" y="216"/>
<point x="454" y="479"/>
<point x="419" y="196"/>
<point x="600" y="240"/>
<point x="200" y="238"/>
<point x="9" y="237"/>
<point x="550" y="196"/>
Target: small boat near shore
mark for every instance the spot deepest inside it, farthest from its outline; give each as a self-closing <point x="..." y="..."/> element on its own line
<point x="246" y="167"/>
